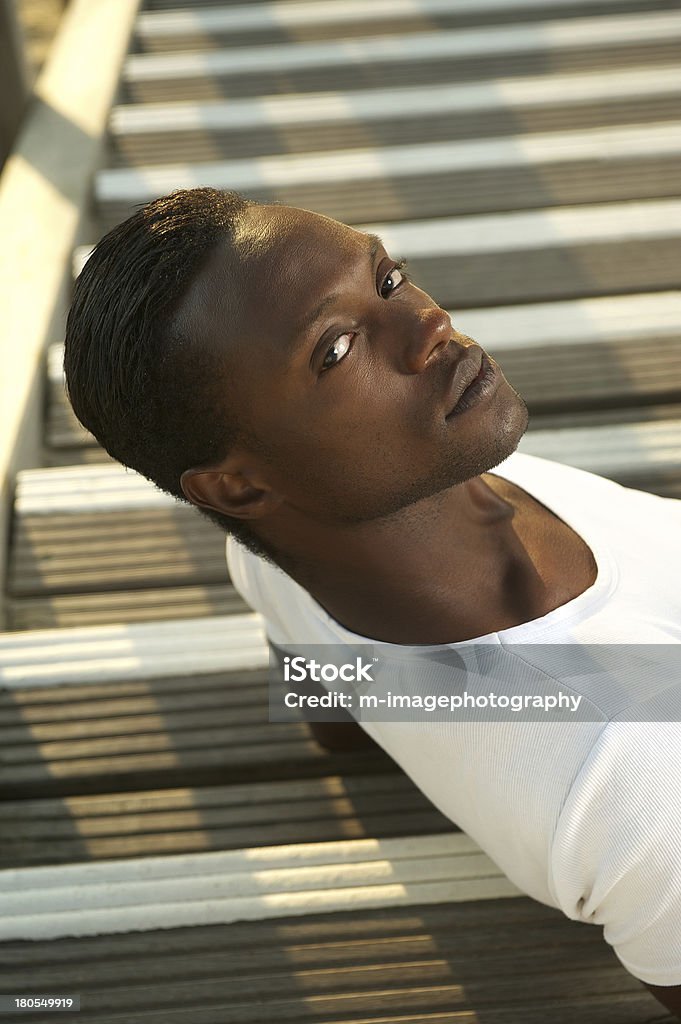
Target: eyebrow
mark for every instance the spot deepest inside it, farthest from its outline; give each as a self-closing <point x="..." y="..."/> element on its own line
<point x="306" y="322"/>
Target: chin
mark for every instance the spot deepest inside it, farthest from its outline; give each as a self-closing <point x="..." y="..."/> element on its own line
<point x="493" y="445"/>
<point x="512" y="425"/>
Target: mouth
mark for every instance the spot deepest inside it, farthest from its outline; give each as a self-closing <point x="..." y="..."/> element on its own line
<point x="475" y="378"/>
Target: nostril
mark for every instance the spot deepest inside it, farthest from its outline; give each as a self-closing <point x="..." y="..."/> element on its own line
<point x="438" y="348"/>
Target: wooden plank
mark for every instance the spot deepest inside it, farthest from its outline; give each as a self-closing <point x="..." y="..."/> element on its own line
<point x="419" y="58"/>
<point x="92" y="609"/>
<point x="532" y="256"/>
<point x="162" y="5"/>
<point x="52" y="657"/>
<point x="231" y="740"/>
<point x="173" y="821"/>
<point x="170" y="836"/>
<point x="239" y="25"/>
<point x="96" y="552"/>
<point x="516" y="39"/>
<point x="68" y="695"/>
<point x="445" y="178"/>
<point x="199" y="132"/>
<point x="505" y="961"/>
<point x="537" y="230"/>
<point x="556" y="253"/>
<point x="337" y="939"/>
<point x="511" y="94"/>
<point x="141" y="894"/>
<point x="510" y="331"/>
<point x="385" y="1006"/>
<point x="201" y="766"/>
<point x="263" y="799"/>
<point x="336" y="14"/>
<point x="298" y="170"/>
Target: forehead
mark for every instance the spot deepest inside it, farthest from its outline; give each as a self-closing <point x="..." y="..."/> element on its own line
<point x="272" y="232"/>
<point x="283" y="262"/>
<point x="285" y="253"/>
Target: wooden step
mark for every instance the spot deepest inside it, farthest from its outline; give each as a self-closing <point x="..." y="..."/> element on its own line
<point x="431" y="179"/>
<point x="558" y="253"/>
<point x="196" y="132"/>
<point x="118" y="606"/>
<point x="94" y="710"/>
<point x="87" y="548"/>
<point x="239" y="24"/>
<point x="568" y="45"/>
<point x="141" y="894"/>
<point x="98" y="654"/>
<point x="210" y="818"/>
<point x="538" y="255"/>
<point x="501" y="961"/>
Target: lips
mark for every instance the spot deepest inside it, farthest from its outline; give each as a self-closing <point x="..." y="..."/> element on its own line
<point x="466" y="372"/>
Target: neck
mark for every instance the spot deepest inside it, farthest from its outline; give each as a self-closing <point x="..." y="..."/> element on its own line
<point x="435" y="573"/>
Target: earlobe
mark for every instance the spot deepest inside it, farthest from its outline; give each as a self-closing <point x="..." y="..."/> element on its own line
<point x="232" y="494"/>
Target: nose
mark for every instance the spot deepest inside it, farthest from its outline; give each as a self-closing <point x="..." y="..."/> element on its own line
<point x="430" y="332"/>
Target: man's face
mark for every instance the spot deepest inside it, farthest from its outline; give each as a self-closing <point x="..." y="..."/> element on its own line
<point x="343" y="371"/>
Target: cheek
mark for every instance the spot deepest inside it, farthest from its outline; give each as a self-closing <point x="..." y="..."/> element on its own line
<point x="345" y="421"/>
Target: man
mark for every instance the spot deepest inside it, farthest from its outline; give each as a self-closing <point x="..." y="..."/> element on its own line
<point x="281" y="372"/>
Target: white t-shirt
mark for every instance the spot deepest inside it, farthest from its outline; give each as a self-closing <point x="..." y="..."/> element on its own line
<point x="583" y="815"/>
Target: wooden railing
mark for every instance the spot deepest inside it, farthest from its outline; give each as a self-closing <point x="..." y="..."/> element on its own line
<point x="44" y="192"/>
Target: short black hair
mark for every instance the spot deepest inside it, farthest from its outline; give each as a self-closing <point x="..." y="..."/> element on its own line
<point x="151" y="395"/>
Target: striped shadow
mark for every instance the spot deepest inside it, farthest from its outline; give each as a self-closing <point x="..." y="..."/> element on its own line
<point x="451" y="45"/>
<point x="434" y="179"/>
<point x="166" y="26"/>
<point x="157" y="133"/>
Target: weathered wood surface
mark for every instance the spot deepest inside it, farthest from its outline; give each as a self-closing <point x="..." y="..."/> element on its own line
<point x="187" y="764"/>
<point x="491" y="962"/>
<point x="139" y="823"/>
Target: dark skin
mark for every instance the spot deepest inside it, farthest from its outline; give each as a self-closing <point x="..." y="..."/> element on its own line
<point x="380" y="506"/>
<point x="375" y="501"/>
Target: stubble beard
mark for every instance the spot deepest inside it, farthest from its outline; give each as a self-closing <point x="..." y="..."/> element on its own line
<point x="454" y="469"/>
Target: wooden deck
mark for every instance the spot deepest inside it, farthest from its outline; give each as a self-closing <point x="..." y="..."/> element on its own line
<point x="168" y="853"/>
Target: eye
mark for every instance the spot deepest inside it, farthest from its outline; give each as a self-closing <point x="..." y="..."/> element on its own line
<point x="394" y="279"/>
<point x="339" y="348"/>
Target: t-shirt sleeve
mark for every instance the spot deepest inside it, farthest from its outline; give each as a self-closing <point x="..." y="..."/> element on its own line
<point x="616" y="855"/>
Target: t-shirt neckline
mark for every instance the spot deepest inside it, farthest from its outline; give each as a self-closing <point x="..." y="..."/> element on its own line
<point x="605" y="582"/>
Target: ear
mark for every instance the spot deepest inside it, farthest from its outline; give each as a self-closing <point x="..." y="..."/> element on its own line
<point x="231" y="493"/>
